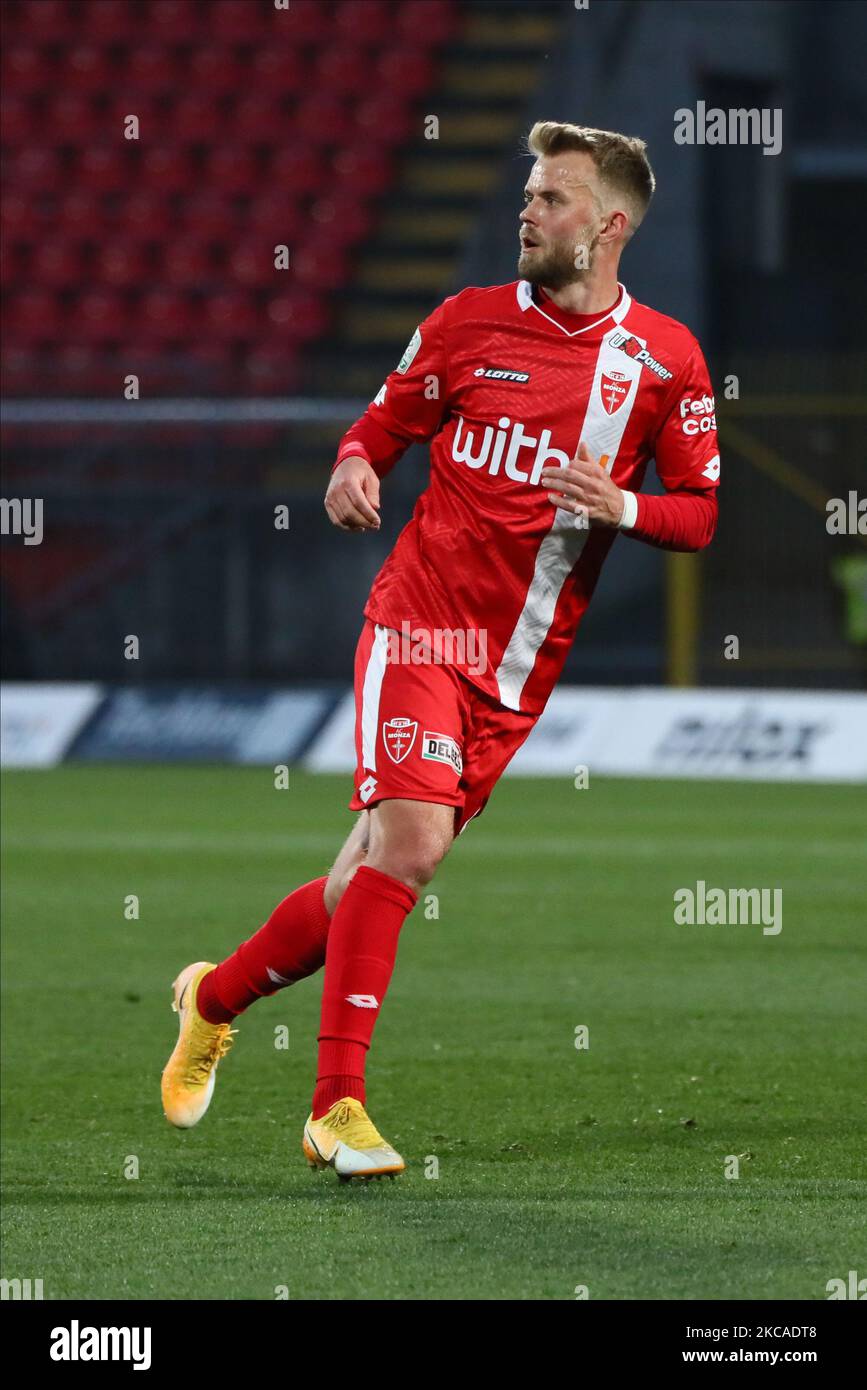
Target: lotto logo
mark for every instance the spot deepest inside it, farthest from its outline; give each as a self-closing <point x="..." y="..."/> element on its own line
<point x="367" y="788"/>
<point x="697" y="414"/>
<point x="711" y="468"/>
<point x="363" y="1001"/>
<point x="501" y="374"/>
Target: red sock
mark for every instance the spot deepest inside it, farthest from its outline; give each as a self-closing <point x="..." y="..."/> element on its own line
<point x="290" y="946"/>
<point x="362" y="946"/>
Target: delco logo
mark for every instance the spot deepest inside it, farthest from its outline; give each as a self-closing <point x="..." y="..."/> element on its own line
<point x="697" y="414"/>
<point x="440" y="748"/>
<point x="500" y="448"/>
<point x="500" y="374"/>
<point x="632" y="347"/>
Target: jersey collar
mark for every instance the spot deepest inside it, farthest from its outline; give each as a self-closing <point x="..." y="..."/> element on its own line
<point x="615" y="315"/>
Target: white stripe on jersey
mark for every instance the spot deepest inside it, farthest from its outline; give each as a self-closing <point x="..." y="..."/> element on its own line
<point x="562" y="546"/>
<point x="370" y="693"/>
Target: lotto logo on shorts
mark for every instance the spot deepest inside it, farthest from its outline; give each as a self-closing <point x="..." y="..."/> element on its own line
<point x="439" y="748"/>
<point x="398" y="735"/>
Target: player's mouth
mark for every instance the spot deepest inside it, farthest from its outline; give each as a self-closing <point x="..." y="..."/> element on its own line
<point x="527" y="245"/>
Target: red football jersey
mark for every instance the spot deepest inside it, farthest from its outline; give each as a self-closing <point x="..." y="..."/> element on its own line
<point x="504" y="383"/>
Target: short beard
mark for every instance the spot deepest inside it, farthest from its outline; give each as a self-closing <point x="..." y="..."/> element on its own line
<point x="557" y="268"/>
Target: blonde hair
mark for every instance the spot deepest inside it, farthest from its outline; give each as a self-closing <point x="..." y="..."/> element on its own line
<point x="620" y="160"/>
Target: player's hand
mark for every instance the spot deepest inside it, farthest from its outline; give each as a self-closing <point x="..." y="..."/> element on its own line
<point x="352" y="499"/>
<point x="585" y="490"/>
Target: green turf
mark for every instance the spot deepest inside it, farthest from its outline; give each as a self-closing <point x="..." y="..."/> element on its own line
<point x="557" y="1167"/>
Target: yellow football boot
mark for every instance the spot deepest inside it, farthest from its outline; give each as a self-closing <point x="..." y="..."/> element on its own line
<point x="346" y="1140"/>
<point x="190" y="1073"/>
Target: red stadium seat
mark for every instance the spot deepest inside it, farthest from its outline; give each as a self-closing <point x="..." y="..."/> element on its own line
<point x="234" y="169"/>
<point x="277" y="215"/>
<point x="271" y="370"/>
<point x="105" y="169"/>
<point x="341" y="221"/>
<point x="145" y="214"/>
<point x="236" y="21"/>
<point x="18" y="217"/>
<point x="85" y="68"/>
<point x="109" y="21"/>
<point x="149" y="67"/>
<point x="343" y="71"/>
<point x="19" y="369"/>
<point x="81" y="215"/>
<point x="365" y="21"/>
<point x="47" y="21"/>
<point x="233" y="316"/>
<point x="153" y="112"/>
<point x="279" y="70"/>
<point x="363" y="169"/>
<point x="167" y="315"/>
<point x="73" y="118"/>
<point x="167" y="168"/>
<point x="35" y="170"/>
<point x="256" y="119"/>
<point x="32" y="316"/>
<point x="57" y="263"/>
<point x="13" y="258"/>
<point x="19" y="119"/>
<point x="299" y="316"/>
<point x="217" y="68"/>
<point x="251" y="264"/>
<point x="209" y="216"/>
<point x="28" y="69"/>
<point x="124" y="264"/>
<point x="197" y="117"/>
<point x="305" y="22"/>
<point x="297" y="169"/>
<point x="405" y="71"/>
<point x="322" y="119"/>
<point x="84" y="367"/>
<point x="320" y="268"/>
<point x="98" y="316"/>
<point x="431" y="21"/>
<point x="174" y="21"/>
<point x="188" y="263"/>
<point x="385" y="119"/>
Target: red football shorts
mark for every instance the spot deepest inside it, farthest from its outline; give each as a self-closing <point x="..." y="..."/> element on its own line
<point x="423" y="732"/>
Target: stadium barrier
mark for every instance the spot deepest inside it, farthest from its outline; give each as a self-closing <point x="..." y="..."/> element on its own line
<point x="755" y="735"/>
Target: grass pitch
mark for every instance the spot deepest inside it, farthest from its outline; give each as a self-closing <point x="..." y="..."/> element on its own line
<point x="556" y="1167"/>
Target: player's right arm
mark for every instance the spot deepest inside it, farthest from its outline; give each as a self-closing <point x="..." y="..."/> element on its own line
<point x="408" y="409"/>
<point x="352" y="499"/>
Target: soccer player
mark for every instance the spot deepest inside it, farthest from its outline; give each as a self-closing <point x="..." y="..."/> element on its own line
<point x="544" y="400"/>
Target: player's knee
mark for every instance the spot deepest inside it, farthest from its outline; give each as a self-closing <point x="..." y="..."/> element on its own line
<point x="413" y="860"/>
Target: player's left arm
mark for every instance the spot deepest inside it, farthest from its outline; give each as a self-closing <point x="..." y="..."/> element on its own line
<point x="687" y="464"/>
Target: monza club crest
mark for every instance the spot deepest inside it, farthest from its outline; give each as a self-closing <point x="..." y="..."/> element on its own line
<point x="614" y="388"/>
<point x="398" y="735"/>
